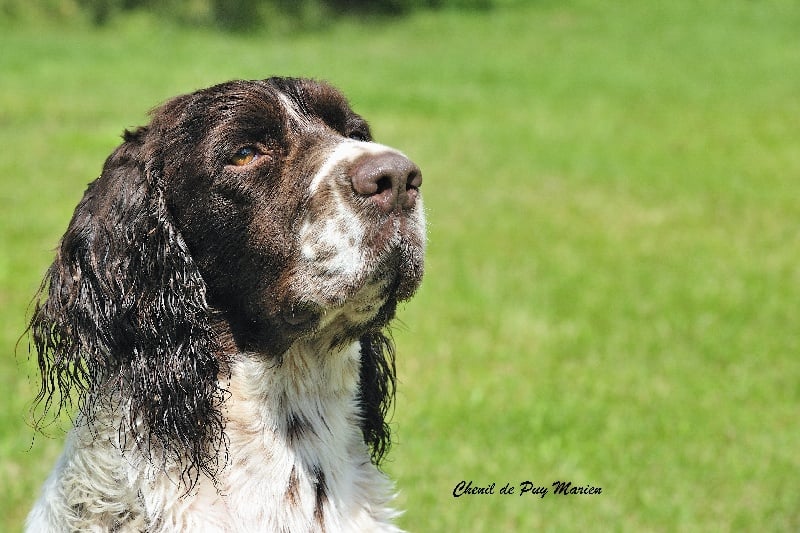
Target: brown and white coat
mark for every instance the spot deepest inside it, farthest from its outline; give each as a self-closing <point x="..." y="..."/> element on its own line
<point x="217" y="309"/>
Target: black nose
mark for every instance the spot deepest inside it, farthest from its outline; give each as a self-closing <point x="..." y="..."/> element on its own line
<point x="390" y="180"/>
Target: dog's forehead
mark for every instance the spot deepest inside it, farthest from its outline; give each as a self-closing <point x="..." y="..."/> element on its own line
<point x="298" y="99"/>
<point x="275" y="104"/>
<point x="307" y="103"/>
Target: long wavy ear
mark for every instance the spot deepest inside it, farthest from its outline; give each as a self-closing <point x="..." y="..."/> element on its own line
<point x="377" y="387"/>
<point x="122" y="320"/>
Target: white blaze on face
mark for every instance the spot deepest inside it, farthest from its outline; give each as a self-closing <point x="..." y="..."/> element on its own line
<point x="347" y="152"/>
<point x="295" y="114"/>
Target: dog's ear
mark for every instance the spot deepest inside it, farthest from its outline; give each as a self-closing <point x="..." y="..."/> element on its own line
<point x="377" y="387"/>
<point x="122" y="314"/>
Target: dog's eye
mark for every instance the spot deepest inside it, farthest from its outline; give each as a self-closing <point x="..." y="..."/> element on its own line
<point x="359" y="136"/>
<point x="243" y="156"/>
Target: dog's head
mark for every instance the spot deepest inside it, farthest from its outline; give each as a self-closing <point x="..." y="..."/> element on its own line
<point x="294" y="216"/>
<point x="246" y="216"/>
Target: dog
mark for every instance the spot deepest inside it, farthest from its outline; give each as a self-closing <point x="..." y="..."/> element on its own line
<point x="218" y="309"/>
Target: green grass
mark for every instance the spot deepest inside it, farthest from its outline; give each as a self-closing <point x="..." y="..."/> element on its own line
<point x="613" y="277"/>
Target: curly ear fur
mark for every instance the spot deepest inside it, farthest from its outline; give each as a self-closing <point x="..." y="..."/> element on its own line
<point x="122" y="317"/>
<point x="377" y="388"/>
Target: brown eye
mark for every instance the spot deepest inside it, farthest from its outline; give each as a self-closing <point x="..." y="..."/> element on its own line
<point x="243" y="156"/>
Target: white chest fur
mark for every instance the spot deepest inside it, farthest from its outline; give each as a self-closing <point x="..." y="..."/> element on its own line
<point x="297" y="456"/>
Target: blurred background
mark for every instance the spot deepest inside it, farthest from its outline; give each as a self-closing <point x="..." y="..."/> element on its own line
<point x="613" y="274"/>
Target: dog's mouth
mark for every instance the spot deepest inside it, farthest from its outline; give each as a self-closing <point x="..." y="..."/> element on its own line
<point x="317" y="303"/>
<point x="359" y="302"/>
<point x="301" y="317"/>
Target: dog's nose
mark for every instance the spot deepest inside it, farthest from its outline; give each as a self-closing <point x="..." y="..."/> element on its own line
<point x="390" y="180"/>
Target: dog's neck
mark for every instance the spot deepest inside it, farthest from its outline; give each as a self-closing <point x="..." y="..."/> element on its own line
<point x="293" y="433"/>
<point x="308" y="384"/>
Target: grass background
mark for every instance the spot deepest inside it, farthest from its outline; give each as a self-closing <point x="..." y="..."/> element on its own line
<point x="612" y="281"/>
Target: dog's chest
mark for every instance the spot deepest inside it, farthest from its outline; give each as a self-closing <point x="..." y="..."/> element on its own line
<point x="296" y="456"/>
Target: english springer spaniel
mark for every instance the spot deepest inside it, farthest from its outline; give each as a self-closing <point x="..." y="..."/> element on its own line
<point x="217" y="312"/>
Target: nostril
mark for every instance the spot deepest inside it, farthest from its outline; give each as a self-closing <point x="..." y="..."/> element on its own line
<point x="384" y="183"/>
<point x="413" y="183"/>
<point x="414" y="180"/>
